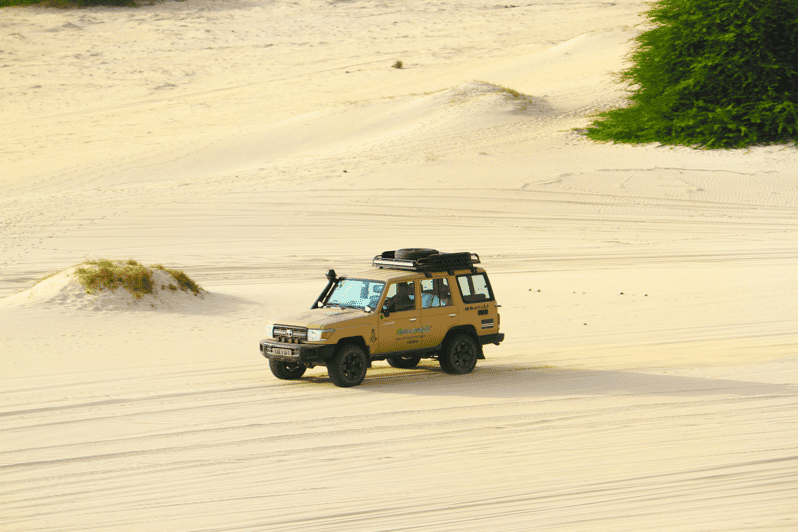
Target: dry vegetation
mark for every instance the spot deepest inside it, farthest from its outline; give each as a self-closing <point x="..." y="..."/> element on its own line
<point x="106" y="274"/>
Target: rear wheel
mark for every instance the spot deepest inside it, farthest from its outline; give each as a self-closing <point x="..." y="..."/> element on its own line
<point x="348" y="367"/>
<point x="460" y="355"/>
<point x="403" y="362"/>
<point x="286" y="370"/>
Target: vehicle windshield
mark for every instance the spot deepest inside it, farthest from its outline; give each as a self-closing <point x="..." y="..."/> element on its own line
<point x="355" y="293"/>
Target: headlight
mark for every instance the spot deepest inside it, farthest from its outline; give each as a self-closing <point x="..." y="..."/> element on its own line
<point x="270" y="329"/>
<point x="317" y="335"/>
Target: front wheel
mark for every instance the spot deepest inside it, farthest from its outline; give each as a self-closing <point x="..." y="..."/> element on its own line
<point x="348" y="367"/>
<point x="460" y="355"/>
<point x="286" y="370"/>
<point x="407" y="362"/>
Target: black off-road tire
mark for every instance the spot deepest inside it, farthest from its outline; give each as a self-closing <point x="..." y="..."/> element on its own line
<point x="348" y="366"/>
<point x="403" y="362"/>
<point x="287" y="371"/>
<point x="414" y="253"/>
<point x="460" y="355"/>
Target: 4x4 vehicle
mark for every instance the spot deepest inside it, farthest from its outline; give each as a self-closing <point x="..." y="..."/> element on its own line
<point x="414" y="304"/>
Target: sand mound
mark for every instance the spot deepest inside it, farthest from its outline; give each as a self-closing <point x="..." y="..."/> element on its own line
<point x="65" y="290"/>
<point x="445" y="120"/>
<point x="405" y="124"/>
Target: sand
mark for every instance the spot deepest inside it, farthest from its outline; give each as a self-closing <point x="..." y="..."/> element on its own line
<point x="649" y="376"/>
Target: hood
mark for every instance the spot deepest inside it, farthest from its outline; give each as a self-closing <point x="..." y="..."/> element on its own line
<point x="324" y="318"/>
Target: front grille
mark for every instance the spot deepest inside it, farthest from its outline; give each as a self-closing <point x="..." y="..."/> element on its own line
<point x="290" y="334"/>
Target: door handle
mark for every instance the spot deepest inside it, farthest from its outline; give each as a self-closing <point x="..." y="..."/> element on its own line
<point x="452" y="315"/>
<point x="413" y="319"/>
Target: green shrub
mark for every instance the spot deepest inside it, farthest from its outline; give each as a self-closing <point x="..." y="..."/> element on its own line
<point x="713" y="73"/>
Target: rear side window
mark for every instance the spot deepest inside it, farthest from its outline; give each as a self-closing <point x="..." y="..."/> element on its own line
<point x="474" y="288"/>
<point x="435" y="293"/>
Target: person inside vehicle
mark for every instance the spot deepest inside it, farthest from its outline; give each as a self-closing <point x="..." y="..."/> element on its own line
<point x="403" y="300"/>
<point x="445" y="293"/>
<point x="435" y="293"/>
<point x="429" y="297"/>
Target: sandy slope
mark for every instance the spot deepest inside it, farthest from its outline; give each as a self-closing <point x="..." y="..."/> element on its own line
<point x="649" y="376"/>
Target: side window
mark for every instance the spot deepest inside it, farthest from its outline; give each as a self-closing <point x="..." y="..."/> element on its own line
<point x="474" y="288"/>
<point x="445" y="293"/>
<point x="401" y="297"/>
<point x="435" y="293"/>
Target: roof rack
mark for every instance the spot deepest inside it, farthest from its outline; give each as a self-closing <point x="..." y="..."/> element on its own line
<point x="435" y="262"/>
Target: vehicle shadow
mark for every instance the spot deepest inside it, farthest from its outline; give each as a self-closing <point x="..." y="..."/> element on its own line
<point x="512" y="381"/>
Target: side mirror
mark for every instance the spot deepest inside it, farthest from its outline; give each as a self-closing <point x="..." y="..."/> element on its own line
<point x="385" y="311"/>
<point x="331" y="275"/>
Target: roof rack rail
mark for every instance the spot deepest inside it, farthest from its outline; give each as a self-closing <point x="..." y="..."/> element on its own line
<point x="436" y="262"/>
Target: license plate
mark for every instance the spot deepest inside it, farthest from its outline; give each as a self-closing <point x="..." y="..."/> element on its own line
<point x="281" y="351"/>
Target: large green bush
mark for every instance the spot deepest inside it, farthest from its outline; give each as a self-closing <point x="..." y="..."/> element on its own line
<point x="714" y="73"/>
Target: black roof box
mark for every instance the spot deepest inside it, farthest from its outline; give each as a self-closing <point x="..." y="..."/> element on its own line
<point x="425" y="260"/>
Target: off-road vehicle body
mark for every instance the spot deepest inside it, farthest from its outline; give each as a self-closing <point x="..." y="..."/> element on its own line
<point x="414" y="304"/>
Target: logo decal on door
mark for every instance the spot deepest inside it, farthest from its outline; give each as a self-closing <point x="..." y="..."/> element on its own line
<point x="418" y="330"/>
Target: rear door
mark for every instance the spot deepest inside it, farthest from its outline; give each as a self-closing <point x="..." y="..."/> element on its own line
<point x="438" y="314"/>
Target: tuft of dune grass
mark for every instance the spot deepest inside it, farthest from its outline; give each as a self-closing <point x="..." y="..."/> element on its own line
<point x="183" y="280"/>
<point x="104" y="274"/>
<point x="523" y="101"/>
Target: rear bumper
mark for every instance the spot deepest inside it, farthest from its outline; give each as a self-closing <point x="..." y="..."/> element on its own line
<point x="496" y="338"/>
<point x="305" y="353"/>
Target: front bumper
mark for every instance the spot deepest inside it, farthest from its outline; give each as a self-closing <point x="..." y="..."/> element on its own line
<point x="304" y="353"/>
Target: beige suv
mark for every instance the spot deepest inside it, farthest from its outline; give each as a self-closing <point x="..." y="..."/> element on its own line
<point x="414" y="304"/>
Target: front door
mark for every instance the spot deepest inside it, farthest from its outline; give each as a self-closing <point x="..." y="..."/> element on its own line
<point x="400" y="329"/>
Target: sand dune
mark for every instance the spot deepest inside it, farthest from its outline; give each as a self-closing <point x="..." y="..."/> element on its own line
<point x="649" y="377"/>
<point x="366" y="130"/>
<point x="65" y="293"/>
